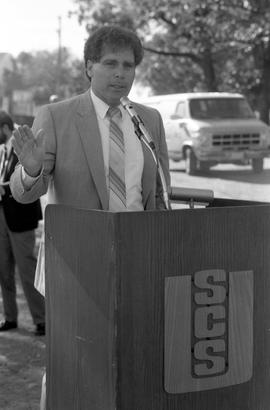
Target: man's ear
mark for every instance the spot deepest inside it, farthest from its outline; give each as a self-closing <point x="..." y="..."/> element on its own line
<point x="89" y="68"/>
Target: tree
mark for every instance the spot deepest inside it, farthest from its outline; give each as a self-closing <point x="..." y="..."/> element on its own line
<point x="11" y="80"/>
<point x="165" y="34"/>
<point x="41" y="72"/>
<point x="208" y="45"/>
<point x="252" y="39"/>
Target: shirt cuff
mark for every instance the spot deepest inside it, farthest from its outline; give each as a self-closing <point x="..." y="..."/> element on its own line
<point x="27" y="180"/>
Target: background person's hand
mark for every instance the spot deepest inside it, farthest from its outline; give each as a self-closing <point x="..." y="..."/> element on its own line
<point x="29" y="149"/>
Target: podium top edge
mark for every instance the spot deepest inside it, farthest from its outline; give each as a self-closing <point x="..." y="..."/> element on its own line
<point x="215" y="203"/>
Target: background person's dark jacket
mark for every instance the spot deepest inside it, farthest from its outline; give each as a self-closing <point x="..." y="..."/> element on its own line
<point x="19" y="217"/>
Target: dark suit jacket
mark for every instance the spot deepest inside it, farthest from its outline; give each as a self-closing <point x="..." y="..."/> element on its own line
<point x="19" y="217"/>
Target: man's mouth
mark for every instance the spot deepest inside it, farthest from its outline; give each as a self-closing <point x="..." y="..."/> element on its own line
<point x="118" y="86"/>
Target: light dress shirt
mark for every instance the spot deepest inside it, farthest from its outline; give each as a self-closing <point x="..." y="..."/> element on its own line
<point x="134" y="160"/>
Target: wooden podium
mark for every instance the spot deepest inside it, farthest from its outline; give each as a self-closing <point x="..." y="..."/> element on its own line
<point x="158" y="310"/>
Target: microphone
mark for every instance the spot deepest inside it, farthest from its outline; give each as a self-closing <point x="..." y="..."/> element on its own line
<point x="127" y="104"/>
<point x="140" y="129"/>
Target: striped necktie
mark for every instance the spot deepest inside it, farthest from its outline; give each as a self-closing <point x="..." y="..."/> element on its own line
<point x="117" y="186"/>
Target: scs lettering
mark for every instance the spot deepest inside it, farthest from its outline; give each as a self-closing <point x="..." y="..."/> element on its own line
<point x="209" y="324"/>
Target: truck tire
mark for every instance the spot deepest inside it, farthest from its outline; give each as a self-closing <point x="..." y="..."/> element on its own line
<point x="191" y="162"/>
<point x="204" y="166"/>
<point x="257" y="165"/>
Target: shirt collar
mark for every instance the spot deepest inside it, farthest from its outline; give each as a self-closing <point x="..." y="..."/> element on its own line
<point x="100" y="106"/>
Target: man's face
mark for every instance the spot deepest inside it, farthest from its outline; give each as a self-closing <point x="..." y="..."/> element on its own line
<point x="113" y="75"/>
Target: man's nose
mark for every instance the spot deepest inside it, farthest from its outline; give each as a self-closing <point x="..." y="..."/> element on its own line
<point x="120" y="71"/>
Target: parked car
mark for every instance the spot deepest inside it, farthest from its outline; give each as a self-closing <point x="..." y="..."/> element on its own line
<point x="206" y="129"/>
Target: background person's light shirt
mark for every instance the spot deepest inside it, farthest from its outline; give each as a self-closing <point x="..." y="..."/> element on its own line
<point x="134" y="160"/>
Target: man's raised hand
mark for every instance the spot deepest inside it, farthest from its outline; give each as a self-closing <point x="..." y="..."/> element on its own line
<point x="29" y="149"/>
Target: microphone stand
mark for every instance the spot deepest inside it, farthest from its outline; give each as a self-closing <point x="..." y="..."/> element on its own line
<point x="144" y="136"/>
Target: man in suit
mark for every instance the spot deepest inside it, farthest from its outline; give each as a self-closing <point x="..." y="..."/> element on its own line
<point x="83" y="151"/>
<point x="17" y="239"/>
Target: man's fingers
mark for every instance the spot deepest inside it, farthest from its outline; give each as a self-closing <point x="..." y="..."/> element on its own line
<point x="17" y="147"/>
<point x="21" y="133"/>
<point x="23" y="138"/>
<point x="16" y="140"/>
<point x="27" y="132"/>
<point x="24" y="134"/>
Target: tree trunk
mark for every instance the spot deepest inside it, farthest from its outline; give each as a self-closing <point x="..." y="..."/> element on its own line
<point x="209" y="71"/>
<point x="265" y="91"/>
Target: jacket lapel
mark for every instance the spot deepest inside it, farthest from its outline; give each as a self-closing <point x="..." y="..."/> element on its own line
<point x="148" y="177"/>
<point x="149" y="170"/>
<point x="90" y="136"/>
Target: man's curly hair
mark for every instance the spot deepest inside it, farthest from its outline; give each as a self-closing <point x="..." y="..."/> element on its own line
<point x="114" y="37"/>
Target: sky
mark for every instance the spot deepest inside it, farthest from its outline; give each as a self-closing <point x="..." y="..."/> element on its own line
<point x="30" y="25"/>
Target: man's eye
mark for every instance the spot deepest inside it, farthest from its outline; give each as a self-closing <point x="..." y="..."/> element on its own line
<point x="110" y="63"/>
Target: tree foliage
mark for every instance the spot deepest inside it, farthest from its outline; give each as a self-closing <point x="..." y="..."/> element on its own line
<point x="195" y="45"/>
<point x="48" y="73"/>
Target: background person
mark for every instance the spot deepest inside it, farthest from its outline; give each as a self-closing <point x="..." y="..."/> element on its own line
<point x="17" y="240"/>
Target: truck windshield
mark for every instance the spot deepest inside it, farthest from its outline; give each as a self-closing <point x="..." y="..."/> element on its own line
<point x="220" y="108"/>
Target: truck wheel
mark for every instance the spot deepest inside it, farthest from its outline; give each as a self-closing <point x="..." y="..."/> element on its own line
<point x="191" y="162"/>
<point x="204" y="166"/>
<point x="257" y="165"/>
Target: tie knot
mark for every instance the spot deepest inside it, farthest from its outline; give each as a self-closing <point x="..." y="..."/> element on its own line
<point x="114" y="112"/>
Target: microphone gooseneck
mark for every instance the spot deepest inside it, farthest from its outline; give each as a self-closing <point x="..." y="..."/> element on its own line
<point x="140" y="129"/>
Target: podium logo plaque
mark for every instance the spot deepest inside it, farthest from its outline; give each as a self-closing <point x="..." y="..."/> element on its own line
<point x="208" y="330"/>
